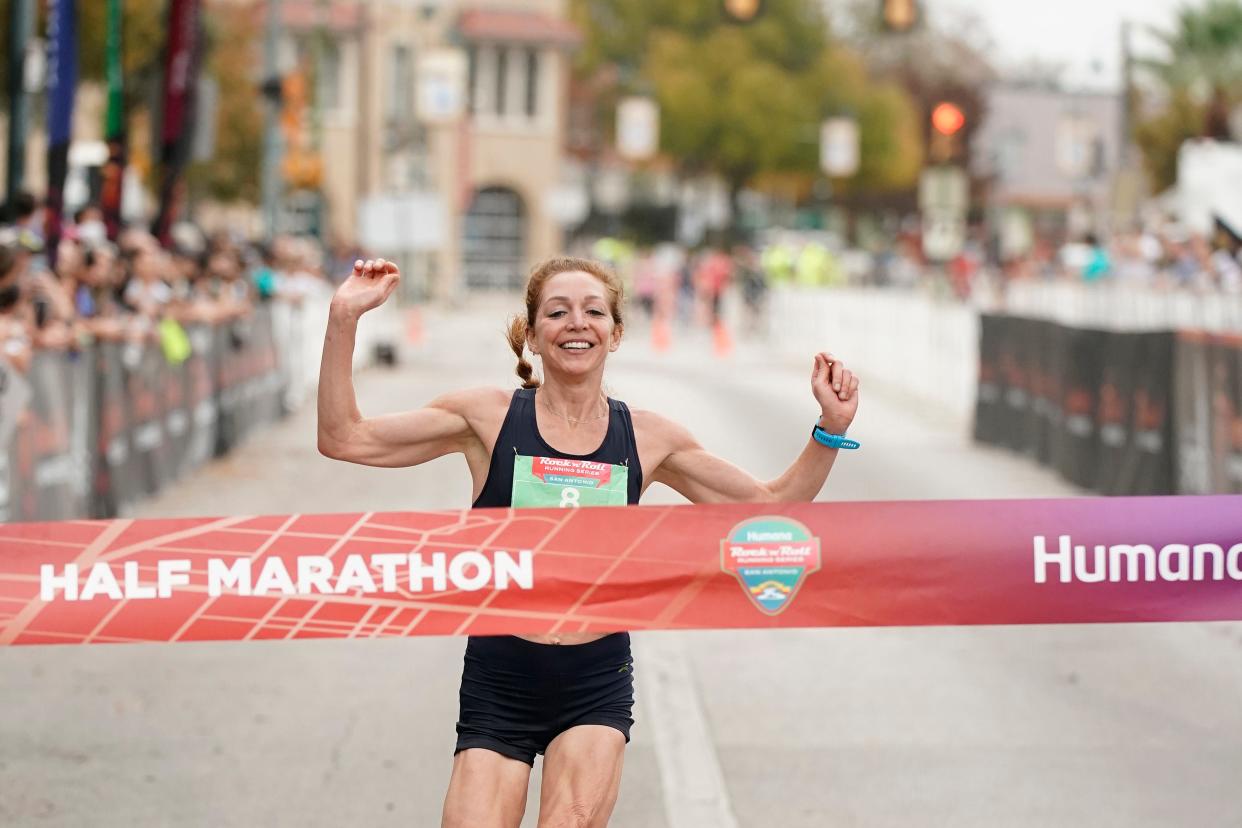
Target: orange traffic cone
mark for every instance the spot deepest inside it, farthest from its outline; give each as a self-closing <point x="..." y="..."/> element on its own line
<point x="414" y="326"/>
<point x="722" y="343"/>
<point x="661" y="340"/>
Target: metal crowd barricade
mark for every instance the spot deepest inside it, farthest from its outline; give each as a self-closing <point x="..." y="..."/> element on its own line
<point x="115" y="422"/>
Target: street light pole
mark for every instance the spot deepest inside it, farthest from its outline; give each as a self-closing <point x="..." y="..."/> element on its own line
<point x="271" y="115"/>
<point x="21" y="26"/>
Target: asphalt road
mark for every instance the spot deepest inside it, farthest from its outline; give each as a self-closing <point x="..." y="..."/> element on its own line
<point x="1109" y="725"/>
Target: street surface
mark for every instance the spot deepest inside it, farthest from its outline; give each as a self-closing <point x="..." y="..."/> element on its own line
<point x="1110" y="725"/>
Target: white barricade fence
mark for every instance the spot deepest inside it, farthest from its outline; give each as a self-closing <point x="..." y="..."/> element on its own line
<point x="928" y="346"/>
<point x="898" y="339"/>
<point x="1123" y="308"/>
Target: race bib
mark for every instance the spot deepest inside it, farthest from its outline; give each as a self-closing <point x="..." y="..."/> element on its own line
<point x="550" y="482"/>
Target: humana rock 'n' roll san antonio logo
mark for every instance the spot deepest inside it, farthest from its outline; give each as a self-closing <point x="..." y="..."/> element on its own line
<point x="770" y="557"/>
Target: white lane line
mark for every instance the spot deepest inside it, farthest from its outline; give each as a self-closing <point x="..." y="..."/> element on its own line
<point x="695" y="795"/>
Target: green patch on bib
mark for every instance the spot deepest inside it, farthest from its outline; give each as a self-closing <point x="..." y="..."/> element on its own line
<point x="551" y="482"/>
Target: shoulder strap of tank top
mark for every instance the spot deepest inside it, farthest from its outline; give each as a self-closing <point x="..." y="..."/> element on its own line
<point x="623" y="424"/>
<point x="496" y="488"/>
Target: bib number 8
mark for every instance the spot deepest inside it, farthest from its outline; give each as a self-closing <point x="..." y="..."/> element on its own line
<point x="569" y="497"/>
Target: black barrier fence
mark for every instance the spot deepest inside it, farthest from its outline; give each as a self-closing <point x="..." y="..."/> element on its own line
<point x="1119" y="413"/>
<point x="1208" y="411"/>
<point x="116" y="422"/>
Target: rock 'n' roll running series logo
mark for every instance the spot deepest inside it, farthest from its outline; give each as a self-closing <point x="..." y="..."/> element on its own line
<point x="771" y="557"/>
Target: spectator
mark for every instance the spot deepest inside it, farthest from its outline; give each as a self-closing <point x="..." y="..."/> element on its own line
<point x="16" y="330"/>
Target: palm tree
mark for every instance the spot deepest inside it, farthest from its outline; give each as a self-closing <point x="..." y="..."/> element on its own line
<point x="1205" y="60"/>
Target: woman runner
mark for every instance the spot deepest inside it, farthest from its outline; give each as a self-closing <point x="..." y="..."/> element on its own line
<point x="567" y="695"/>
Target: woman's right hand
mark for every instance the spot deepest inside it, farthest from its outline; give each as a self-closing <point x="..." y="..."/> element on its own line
<point x="368" y="286"/>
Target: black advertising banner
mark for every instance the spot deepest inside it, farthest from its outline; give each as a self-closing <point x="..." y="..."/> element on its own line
<point x="1015" y="371"/>
<point x="1151" y="437"/>
<point x="1075" y="454"/>
<point x="1114" y="411"/>
<point x="1048" y="387"/>
<point x="1092" y="404"/>
<point x="1227" y="405"/>
<point x="1016" y="363"/>
<point x="989" y="417"/>
<point x="1193" y="420"/>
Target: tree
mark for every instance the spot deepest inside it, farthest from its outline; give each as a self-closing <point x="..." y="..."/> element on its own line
<point x="1161" y="135"/>
<point x="233" y="171"/>
<point x="741" y="101"/>
<point x="1199" y="81"/>
<point x="939" y="60"/>
<point x="1205" y="60"/>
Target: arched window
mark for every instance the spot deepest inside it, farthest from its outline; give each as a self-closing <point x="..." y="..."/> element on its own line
<point x="494" y="240"/>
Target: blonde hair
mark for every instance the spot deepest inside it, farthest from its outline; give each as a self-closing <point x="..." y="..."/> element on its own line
<point x="539" y="276"/>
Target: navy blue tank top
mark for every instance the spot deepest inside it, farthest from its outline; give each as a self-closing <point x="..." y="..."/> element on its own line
<point x="520" y="435"/>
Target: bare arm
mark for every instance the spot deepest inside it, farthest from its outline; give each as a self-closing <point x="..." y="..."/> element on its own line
<point x="701" y="477"/>
<point x="404" y="439"/>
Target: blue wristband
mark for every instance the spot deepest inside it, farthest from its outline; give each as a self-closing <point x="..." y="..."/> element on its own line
<point x="836" y="441"/>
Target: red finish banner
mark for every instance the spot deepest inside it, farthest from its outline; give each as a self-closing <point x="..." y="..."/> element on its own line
<point x="497" y="571"/>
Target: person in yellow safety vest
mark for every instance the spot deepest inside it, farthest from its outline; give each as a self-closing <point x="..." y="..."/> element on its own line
<point x="817" y="267"/>
<point x="778" y="264"/>
<point x="618" y="254"/>
<point x="811" y="268"/>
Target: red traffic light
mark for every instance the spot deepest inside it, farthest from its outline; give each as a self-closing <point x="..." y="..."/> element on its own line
<point x="947" y="119"/>
<point x="900" y="15"/>
<point x="742" y="11"/>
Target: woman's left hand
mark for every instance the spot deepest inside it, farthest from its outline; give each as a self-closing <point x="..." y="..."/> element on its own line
<point x="836" y="390"/>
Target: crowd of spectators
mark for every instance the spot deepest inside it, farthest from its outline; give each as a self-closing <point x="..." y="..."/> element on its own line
<point x="132" y="288"/>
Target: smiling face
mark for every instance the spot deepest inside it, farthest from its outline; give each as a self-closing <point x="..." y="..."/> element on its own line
<point x="574" y="329"/>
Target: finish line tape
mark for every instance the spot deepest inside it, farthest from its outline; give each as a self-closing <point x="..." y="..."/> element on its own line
<point x="502" y="571"/>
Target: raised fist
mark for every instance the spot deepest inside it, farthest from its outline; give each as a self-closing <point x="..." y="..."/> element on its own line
<point x="368" y="286"/>
<point x="836" y="390"/>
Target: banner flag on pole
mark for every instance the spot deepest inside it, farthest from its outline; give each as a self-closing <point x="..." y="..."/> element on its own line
<point x="62" y="83"/>
<point x="502" y="571"/>
<point x="114" y="123"/>
<point x="181" y="63"/>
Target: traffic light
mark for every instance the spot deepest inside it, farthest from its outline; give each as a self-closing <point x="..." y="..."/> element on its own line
<point x="742" y="11"/>
<point x="900" y="15"/>
<point x="301" y="166"/>
<point x="947" y="120"/>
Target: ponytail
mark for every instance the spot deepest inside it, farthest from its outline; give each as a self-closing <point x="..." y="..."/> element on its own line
<point x="517" y="341"/>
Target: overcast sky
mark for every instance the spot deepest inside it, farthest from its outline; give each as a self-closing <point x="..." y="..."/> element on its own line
<point x="1082" y="34"/>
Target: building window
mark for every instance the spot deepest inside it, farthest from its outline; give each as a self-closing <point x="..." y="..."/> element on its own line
<point x="401" y="91"/>
<point x="494" y="240"/>
<point x="472" y="77"/>
<point x="330" y="76"/>
<point x="532" y="82"/>
<point x="502" y="78"/>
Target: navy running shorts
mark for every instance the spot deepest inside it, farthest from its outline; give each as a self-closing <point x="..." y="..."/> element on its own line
<point x="517" y="696"/>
